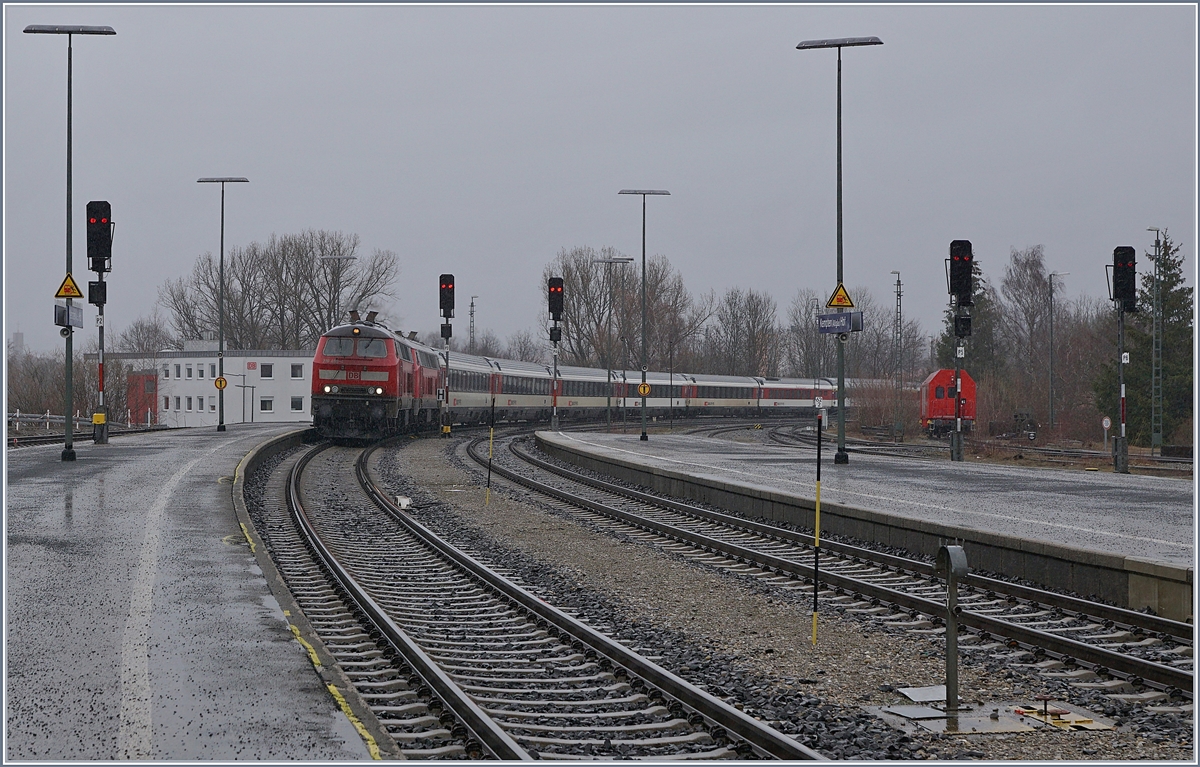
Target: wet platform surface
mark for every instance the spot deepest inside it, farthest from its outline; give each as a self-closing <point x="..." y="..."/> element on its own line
<point x="1123" y="514"/>
<point x="138" y="624"/>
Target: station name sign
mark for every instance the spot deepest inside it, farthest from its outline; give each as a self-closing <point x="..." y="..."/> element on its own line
<point x="840" y="322"/>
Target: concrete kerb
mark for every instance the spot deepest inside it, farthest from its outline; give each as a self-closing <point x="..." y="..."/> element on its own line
<point x="1125" y="581"/>
<point x="328" y="671"/>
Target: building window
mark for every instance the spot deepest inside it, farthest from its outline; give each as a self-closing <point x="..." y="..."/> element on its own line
<point x="148" y="386"/>
<point x="189" y="371"/>
<point x="298" y="370"/>
<point x="212" y="405"/>
<point x="268" y="370"/>
<point x="177" y="404"/>
<point x="177" y="371"/>
<point x="166" y="403"/>
<point x="266" y="405"/>
<point x="189" y="404"/>
<point x="212" y="369"/>
<point x="199" y="371"/>
<point x="200" y="404"/>
<point x="166" y="371"/>
<point x="297" y="404"/>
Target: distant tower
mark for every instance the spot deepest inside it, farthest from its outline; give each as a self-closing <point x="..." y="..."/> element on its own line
<point x="471" y="343"/>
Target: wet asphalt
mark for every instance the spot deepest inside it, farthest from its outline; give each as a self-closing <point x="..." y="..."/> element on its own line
<point x="1129" y="515"/>
<point x="138" y="625"/>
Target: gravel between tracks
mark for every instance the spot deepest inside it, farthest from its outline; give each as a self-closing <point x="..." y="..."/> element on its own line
<point x="746" y="641"/>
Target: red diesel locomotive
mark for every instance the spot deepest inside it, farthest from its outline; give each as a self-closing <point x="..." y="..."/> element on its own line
<point x="937" y="402"/>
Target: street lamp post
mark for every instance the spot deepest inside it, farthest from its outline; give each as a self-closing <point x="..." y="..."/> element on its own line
<point x="1051" y="403"/>
<point x="68" y="452"/>
<point x="643" y="193"/>
<point x="841" y="456"/>
<point x="608" y="328"/>
<point x="222" y="180"/>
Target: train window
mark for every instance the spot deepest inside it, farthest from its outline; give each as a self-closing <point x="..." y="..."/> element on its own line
<point x="338" y="346"/>
<point x="372" y="347"/>
<point x="940" y="392"/>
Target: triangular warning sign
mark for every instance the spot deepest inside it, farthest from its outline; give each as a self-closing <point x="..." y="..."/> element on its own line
<point x="840" y="299"/>
<point x="68" y="289"/>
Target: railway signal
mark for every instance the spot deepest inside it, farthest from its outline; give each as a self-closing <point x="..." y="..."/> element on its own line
<point x="961" y="262"/>
<point x="99" y="235"/>
<point x="446" y="295"/>
<point x="1125" y="277"/>
<point x="556" y="298"/>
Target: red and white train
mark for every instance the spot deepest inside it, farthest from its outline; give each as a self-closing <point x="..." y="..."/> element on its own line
<point x="369" y="382"/>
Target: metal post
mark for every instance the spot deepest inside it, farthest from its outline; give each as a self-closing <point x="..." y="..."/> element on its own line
<point x="956" y="439"/>
<point x="817" y="532"/>
<point x="1051" y="402"/>
<point x="841" y="456"/>
<point x="644" y="363"/>
<point x="68" y="453"/>
<point x="471" y="337"/>
<point x="446" y="415"/>
<point x="898" y="342"/>
<point x="554" y="387"/>
<point x="952" y="562"/>
<point x="1120" y="446"/>
<point x="100" y="430"/>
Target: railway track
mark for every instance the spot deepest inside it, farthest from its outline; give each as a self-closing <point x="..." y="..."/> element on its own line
<point x="457" y="660"/>
<point x="1084" y="642"/>
<point x="51" y="439"/>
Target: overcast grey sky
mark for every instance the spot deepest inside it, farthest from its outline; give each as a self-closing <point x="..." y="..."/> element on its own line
<point x="481" y="140"/>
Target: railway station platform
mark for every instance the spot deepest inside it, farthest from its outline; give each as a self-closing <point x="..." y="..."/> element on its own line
<point x="138" y="624"/>
<point x="1125" y="538"/>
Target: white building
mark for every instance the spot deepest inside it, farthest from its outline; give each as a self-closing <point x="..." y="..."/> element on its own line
<point x="262" y="385"/>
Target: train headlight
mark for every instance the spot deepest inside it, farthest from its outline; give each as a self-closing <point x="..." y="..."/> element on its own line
<point x="328" y="388"/>
<point x="379" y="390"/>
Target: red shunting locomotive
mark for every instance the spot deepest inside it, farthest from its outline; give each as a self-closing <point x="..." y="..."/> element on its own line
<point x="937" y="402"/>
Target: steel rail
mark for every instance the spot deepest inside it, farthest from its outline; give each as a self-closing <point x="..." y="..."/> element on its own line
<point x="766" y="740"/>
<point x="1096" y="656"/>
<point x="1184" y="632"/>
<point x="480" y="726"/>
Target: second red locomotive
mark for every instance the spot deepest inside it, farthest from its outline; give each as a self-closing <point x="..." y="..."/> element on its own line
<point x="937" y="402"/>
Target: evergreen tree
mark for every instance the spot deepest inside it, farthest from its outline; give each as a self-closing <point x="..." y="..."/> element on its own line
<point x="1177" y="359"/>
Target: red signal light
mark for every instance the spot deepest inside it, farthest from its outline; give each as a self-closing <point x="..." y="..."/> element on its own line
<point x="92" y="220"/>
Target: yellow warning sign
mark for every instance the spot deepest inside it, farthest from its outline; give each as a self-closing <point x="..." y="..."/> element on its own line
<point x="220" y="382"/>
<point x="644" y="389"/>
<point x="68" y="289"/>
<point x="840" y="299"/>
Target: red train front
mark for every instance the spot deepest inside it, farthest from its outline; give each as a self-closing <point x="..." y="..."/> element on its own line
<point x="359" y="382"/>
<point x="937" y="402"/>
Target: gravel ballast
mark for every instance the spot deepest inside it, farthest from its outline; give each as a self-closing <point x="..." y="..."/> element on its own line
<point x="746" y="641"/>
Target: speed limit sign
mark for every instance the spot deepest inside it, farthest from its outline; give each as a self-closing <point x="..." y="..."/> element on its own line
<point x="1106" y="423"/>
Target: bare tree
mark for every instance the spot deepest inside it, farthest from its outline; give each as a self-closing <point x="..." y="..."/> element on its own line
<point x="1026" y="293"/>
<point x="744" y="337"/>
<point x="523" y="346"/>
<point x="283" y="293"/>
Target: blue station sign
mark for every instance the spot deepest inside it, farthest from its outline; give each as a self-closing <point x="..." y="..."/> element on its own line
<point x="840" y="322"/>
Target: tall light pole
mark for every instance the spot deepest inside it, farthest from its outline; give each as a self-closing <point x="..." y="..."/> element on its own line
<point x="608" y="262"/>
<point x="68" y="452"/>
<point x="1051" y="279"/>
<point x="898" y="343"/>
<point x="642" y="389"/>
<point x="841" y="456"/>
<point x="1156" y="339"/>
<point x="222" y="180"/>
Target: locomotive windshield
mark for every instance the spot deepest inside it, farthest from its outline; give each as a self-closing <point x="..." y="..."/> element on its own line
<point x="344" y="346"/>
<point x="372" y="347"/>
<point x="338" y="346"/>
